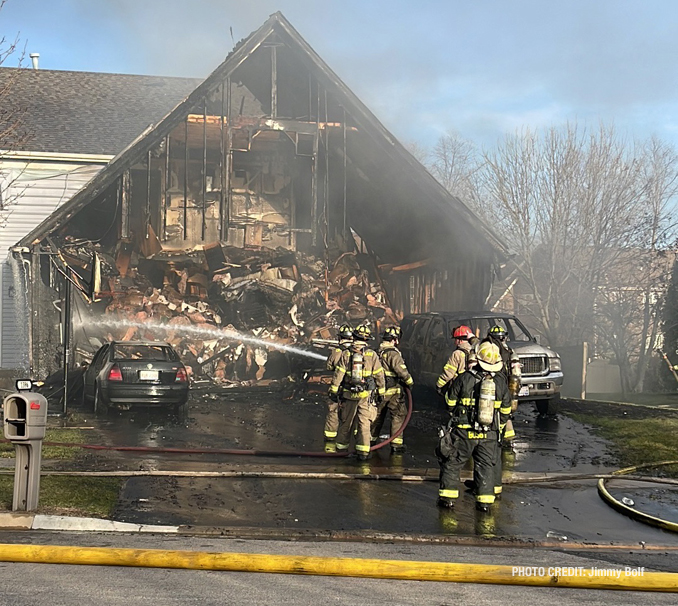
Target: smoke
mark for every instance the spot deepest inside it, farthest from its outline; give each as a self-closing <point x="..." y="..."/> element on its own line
<point x="479" y="67"/>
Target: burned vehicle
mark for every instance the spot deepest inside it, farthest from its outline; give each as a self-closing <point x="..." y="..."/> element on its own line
<point x="427" y="343"/>
<point x="135" y="373"/>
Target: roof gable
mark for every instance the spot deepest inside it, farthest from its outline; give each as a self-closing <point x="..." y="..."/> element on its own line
<point x="405" y="199"/>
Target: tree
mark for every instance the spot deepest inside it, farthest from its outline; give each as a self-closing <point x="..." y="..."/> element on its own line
<point x="670" y="318"/>
<point x="628" y="316"/>
<point x="13" y="132"/>
<point x="588" y="215"/>
<point x="455" y="162"/>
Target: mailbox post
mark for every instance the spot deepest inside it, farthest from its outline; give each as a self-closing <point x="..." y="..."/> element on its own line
<point x="25" y="421"/>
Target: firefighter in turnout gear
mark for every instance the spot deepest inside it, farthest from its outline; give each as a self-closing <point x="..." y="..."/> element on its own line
<point x="332" y="418"/>
<point x="482" y="404"/>
<point x="498" y="335"/>
<point x="457" y="362"/>
<point x="358" y="385"/>
<point x="396" y="375"/>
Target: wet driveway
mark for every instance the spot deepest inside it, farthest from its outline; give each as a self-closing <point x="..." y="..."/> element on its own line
<point x="272" y="421"/>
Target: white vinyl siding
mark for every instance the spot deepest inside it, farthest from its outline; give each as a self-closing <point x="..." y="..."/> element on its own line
<point x="32" y="191"/>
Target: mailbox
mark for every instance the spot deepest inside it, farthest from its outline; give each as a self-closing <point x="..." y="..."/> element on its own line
<point x="25" y="416"/>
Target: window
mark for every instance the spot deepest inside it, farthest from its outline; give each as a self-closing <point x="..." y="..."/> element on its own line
<point x="420" y="331"/>
<point x="437" y="331"/>
<point x="141" y="352"/>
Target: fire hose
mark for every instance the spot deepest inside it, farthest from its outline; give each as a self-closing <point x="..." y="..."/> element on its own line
<point x="235" y="451"/>
<point x="629" y="511"/>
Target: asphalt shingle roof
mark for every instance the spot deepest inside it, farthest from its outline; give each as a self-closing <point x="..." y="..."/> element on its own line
<point x="87" y="112"/>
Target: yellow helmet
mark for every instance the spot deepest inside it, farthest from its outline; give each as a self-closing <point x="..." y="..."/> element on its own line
<point x="362" y="333"/>
<point x="392" y="333"/>
<point x="489" y="357"/>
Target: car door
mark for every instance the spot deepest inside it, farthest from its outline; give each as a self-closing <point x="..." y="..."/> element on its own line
<point x="93" y="370"/>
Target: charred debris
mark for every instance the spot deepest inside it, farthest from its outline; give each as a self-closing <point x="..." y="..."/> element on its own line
<point x="272" y="201"/>
<point x="278" y="295"/>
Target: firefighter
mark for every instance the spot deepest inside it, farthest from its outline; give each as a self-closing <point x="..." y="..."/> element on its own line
<point x="358" y="385"/>
<point x="498" y="335"/>
<point x="332" y="418"/>
<point x="395" y="374"/>
<point x="481" y="406"/>
<point x="457" y="362"/>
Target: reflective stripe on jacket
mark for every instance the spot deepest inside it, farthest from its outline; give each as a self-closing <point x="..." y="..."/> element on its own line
<point x="463" y="397"/>
<point x="395" y="369"/>
<point x="455" y="365"/>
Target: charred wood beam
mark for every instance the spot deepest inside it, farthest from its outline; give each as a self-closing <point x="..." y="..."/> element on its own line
<point x="204" y="171"/>
<point x="186" y="180"/>
<point x="221" y="165"/>
<point x="148" y="192"/>
<point x="274" y="81"/>
<point x="229" y="156"/>
<point x="326" y="194"/>
<point x="125" y="205"/>
<point x="314" y="192"/>
<point x="168" y="184"/>
<point x="344" y="175"/>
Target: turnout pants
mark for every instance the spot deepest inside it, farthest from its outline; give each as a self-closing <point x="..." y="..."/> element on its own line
<point x="455" y="448"/>
<point x="363" y="412"/>
<point x="331" y="420"/>
<point x="395" y="404"/>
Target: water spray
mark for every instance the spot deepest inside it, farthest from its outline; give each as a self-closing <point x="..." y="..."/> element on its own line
<point x="199" y="332"/>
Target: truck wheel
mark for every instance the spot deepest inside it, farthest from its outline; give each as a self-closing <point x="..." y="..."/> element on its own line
<point x="100" y="407"/>
<point x="547" y="407"/>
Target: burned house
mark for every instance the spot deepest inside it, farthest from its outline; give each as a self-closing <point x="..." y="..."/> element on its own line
<point x="270" y="200"/>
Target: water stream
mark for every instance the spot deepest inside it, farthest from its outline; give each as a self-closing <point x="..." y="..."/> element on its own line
<point x="199" y="333"/>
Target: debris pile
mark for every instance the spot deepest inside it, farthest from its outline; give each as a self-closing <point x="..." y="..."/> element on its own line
<point x="270" y="294"/>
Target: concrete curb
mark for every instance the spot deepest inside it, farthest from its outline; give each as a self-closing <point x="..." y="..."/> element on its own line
<point x="26" y="521"/>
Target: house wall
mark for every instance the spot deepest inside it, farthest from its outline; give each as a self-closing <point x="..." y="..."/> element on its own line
<point x="32" y="190"/>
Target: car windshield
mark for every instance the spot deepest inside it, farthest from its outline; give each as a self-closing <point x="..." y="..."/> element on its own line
<point x="141" y="352"/>
<point x="516" y="331"/>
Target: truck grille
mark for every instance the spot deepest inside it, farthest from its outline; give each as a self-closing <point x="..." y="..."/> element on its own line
<point x="533" y="365"/>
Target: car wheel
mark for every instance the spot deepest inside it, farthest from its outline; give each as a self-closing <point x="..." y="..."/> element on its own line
<point x="100" y="407"/>
<point x="180" y="410"/>
<point x="547" y="407"/>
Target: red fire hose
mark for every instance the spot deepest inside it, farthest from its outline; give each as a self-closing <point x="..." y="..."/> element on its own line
<point x="233" y="451"/>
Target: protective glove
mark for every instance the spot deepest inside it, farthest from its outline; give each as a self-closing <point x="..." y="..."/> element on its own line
<point x="378" y="398"/>
<point x="334" y="397"/>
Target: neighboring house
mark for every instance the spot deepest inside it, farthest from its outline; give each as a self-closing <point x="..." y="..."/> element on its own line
<point x="272" y="149"/>
<point x="72" y="125"/>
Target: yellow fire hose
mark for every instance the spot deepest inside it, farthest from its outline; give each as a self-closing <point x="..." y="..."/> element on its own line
<point x="639" y="516"/>
<point x="629" y="579"/>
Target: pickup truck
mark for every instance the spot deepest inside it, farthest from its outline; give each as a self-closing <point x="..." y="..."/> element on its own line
<point x="427" y="343"/>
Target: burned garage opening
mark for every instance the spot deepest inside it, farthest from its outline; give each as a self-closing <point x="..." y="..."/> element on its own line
<point x="268" y="207"/>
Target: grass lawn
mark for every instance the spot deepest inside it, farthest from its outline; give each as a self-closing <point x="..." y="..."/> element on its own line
<point x="73" y="436"/>
<point x="637" y="441"/>
<point x="648" y="399"/>
<point x="67" y="495"/>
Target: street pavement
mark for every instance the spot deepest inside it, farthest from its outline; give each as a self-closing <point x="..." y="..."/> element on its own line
<point x="65" y="585"/>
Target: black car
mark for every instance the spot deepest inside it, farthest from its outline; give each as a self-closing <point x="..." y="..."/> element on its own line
<point x="127" y="373"/>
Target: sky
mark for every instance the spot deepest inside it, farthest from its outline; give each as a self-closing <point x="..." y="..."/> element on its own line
<point x="482" y="68"/>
